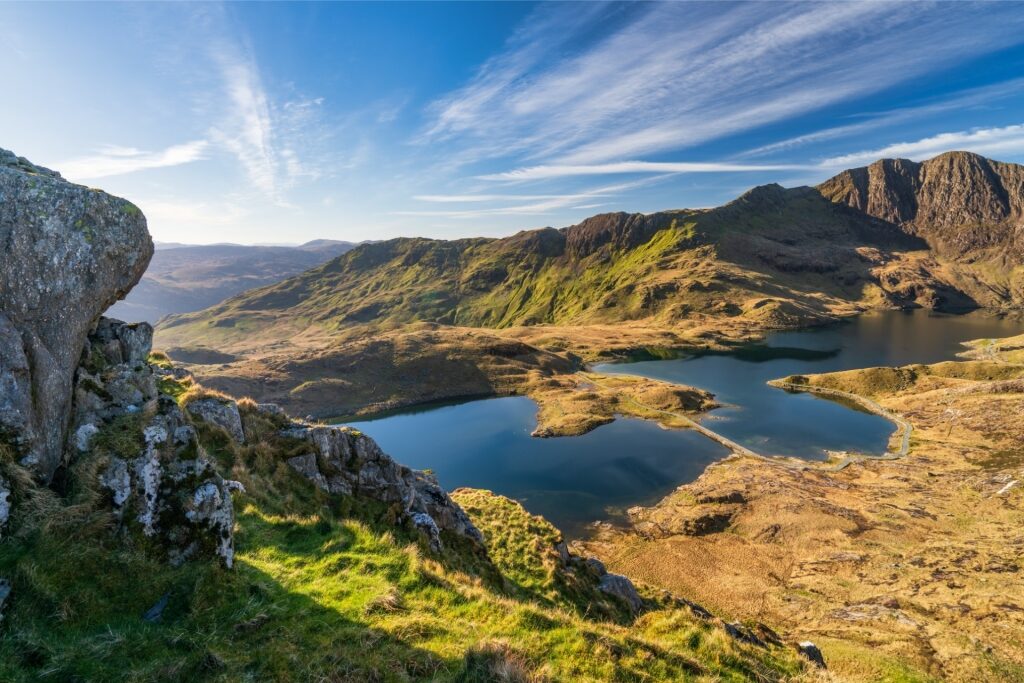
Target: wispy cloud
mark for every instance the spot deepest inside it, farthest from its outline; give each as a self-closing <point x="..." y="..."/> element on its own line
<point x="673" y="75"/>
<point x="559" y="171"/>
<point x="975" y="97"/>
<point x="114" y="160"/>
<point x="987" y="141"/>
<point x="470" y="198"/>
<point x="537" y="205"/>
<point x="247" y="130"/>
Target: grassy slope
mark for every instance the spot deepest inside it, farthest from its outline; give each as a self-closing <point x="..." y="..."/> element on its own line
<point x="324" y="589"/>
<point x="789" y="245"/>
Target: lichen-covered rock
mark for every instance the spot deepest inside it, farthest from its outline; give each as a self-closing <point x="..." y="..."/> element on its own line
<point x="172" y="491"/>
<point x="113" y="379"/>
<point x="69" y="252"/>
<point x="219" y="412"/>
<point x="346" y="462"/>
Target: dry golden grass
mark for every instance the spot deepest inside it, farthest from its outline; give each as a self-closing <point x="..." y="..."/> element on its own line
<point x="899" y="570"/>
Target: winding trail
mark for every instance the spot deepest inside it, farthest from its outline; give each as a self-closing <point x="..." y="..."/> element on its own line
<point x="690" y="423"/>
<point x="902" y="424"/>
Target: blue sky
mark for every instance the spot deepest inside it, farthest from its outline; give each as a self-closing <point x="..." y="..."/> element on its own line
<point x="280" y="123"/>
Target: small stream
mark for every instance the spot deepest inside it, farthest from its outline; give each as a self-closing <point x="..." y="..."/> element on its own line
<point x="575" y="480"/>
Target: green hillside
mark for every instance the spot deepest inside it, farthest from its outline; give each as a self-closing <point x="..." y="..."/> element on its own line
<point x="326" y="588"/>
<point x="793" y="247"/>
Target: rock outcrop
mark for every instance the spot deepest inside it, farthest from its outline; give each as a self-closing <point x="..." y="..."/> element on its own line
<point x="69" y="252"/>
<point x="342" y="460"/>
<point x="960" y="203"/>
<point x="220" y="412"/>
<point x="167" y="487"/>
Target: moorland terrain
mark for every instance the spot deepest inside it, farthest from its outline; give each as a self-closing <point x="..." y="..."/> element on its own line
<point x="901" y="568"/>
<point x="155" y="528"/>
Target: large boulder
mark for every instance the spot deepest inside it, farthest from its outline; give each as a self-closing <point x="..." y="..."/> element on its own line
<point x="69" y="252"/>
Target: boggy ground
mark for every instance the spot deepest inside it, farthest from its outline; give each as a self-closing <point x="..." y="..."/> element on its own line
<point x="907" y="569"/>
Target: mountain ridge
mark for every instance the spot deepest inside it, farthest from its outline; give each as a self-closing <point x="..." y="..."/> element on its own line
<point x="946" y="200"/>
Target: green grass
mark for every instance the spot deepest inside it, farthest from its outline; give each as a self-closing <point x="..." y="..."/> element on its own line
<point x="324" y="589"/>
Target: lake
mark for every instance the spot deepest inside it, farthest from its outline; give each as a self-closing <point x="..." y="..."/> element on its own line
<point x="575" y="480"/>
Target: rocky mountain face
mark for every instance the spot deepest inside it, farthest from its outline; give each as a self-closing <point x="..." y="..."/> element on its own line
<point x="187" y="277"/>
<point x="69" y="252"/>
<point x="964" y="205"/>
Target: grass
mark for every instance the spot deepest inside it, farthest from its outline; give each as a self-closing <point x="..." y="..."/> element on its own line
<point x="324" y="589"/>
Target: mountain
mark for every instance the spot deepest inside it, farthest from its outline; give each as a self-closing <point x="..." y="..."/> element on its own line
<point x="772" y="253"/>
<point x="965" y="206"/>
<point x="183" y="277"/>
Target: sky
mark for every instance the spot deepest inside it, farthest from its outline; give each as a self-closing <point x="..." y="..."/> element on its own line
<point x="282" y="123"/>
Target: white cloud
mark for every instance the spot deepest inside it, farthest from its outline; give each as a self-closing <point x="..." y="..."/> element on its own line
<point x="469" y="198"/>
<point x="247" y="131"/>
<point x="993" y="142"/>
<point x="975" y="97"/>
<point x="540" y="204"/>
<point x="114" y="160"/>
<point x="667" y="76"/>
<point x="559" y="171"/>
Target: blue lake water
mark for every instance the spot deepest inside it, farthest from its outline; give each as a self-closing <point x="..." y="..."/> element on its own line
<point x="575" y="480"/>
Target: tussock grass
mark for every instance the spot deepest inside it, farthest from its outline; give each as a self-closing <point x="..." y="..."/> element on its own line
<point x="323" y="589"/>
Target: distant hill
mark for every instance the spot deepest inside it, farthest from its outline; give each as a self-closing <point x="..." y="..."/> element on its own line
<point x="184" y="277"/>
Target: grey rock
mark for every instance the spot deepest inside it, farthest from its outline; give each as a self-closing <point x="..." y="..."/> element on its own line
<point x="345" y="461"/>
<point x="622" y="588"/>
<point x="118" y="481"/>
<point x="69" y="252"/>
<point x="428" y="526"/>
<point x="811" y="651"/>
<point x="84" y="436"/>
<point x="563" y="552"/>
<point x="271" y="409"/>
<point x="173" y="492"/>
<point x="111" y="381"/>
<point x="220" y="412"/>
<point x="123" y="343"/>
<point x="306" y="466"/>
<point x="596" y="565"/>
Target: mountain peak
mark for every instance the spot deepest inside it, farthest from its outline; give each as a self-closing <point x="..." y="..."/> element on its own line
<point x="960" y="202"/>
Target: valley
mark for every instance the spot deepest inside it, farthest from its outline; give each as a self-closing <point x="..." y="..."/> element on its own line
<point x="903" y="569"/>
<point x="512" y="342"/>
<point x="708" y="305"/>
